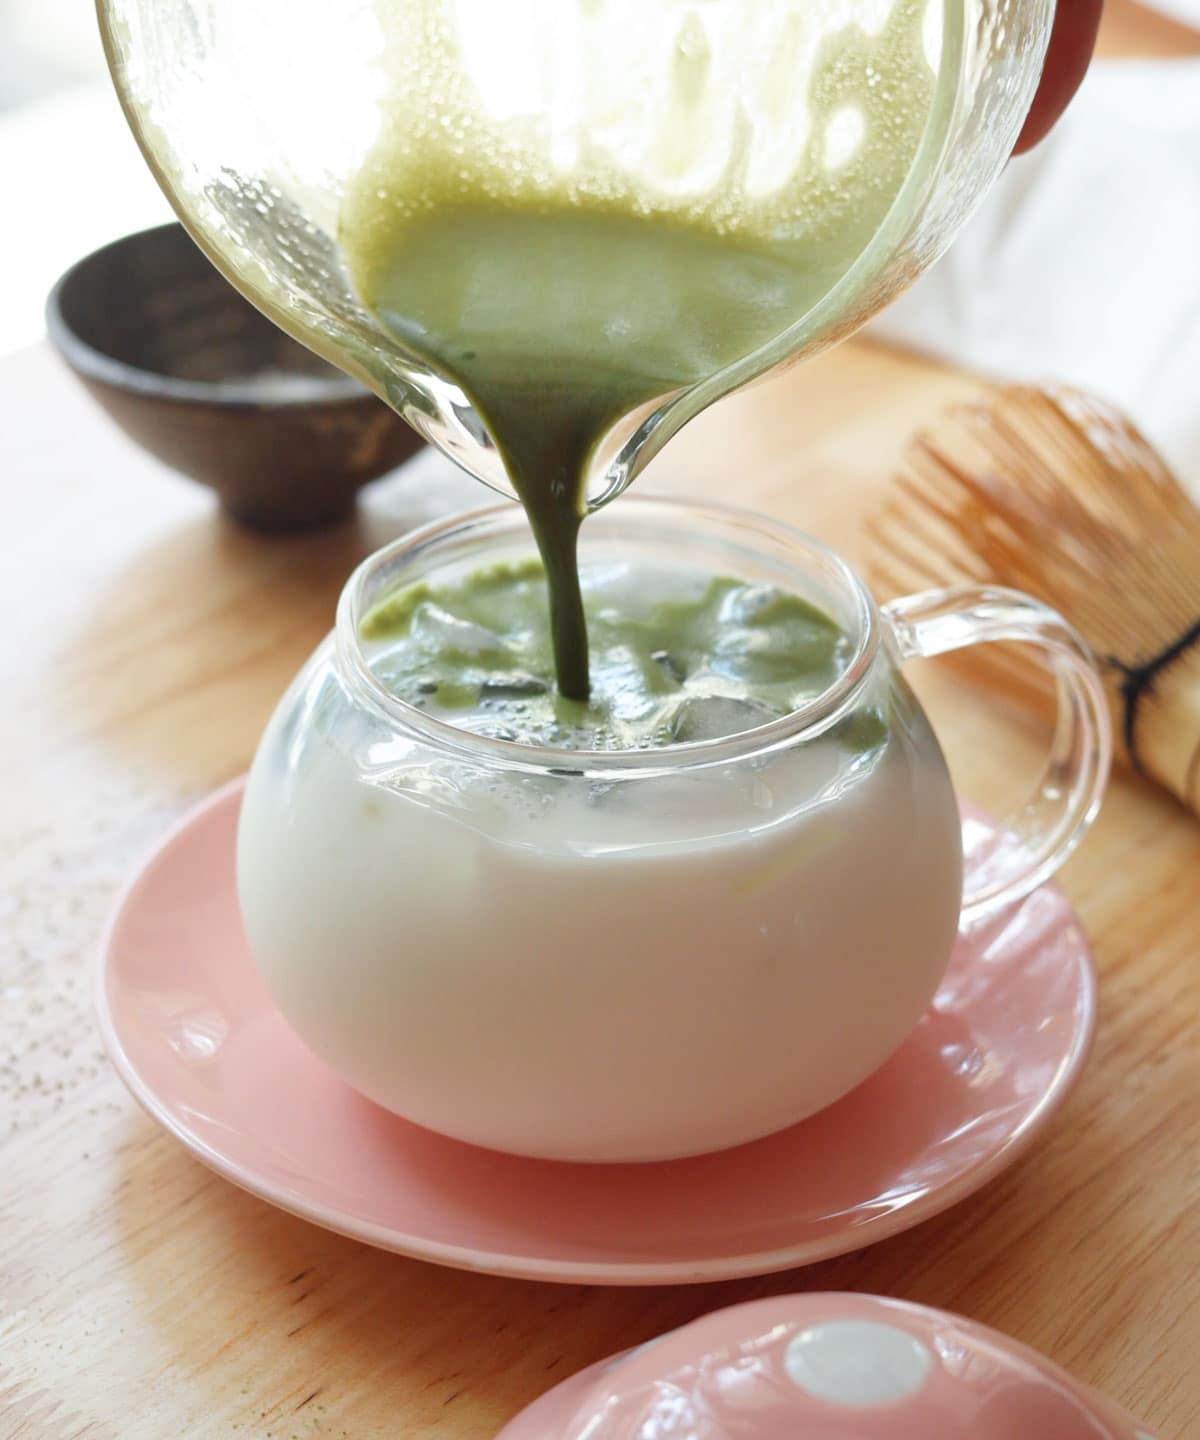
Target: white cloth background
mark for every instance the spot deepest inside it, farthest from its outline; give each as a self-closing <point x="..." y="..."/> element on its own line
<point x="1186" y="11"/>
<point x="1083" y="264"/>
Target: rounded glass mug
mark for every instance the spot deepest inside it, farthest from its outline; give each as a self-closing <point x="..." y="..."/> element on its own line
<point x="255" y="119"/>
<point x="636" y="955"/>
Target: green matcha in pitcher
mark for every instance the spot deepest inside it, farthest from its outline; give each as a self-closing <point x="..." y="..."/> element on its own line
<point x="568" y="277"/>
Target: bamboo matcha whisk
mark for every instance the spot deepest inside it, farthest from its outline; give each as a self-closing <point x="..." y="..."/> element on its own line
<point x="1054" y="493"/>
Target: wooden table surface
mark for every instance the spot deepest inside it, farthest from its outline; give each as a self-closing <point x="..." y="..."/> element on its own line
<point x="143" y="644"/>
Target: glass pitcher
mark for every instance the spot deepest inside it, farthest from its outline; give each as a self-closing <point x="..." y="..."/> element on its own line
<point x="255" y="117"/>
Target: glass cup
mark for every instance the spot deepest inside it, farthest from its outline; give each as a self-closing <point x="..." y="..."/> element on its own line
<point x="255" y="117"/>
<point x="637" y="955"/>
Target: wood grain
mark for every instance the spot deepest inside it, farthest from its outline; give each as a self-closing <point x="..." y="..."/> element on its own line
<point x="143" y="645"/>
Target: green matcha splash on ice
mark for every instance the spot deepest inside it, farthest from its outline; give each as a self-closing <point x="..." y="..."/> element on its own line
<point x="677" y="656"/>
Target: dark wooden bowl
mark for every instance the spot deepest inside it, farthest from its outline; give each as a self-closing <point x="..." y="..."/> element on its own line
<point x="201" y="379"/>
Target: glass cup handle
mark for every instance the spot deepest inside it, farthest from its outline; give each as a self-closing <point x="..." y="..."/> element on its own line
<point x="1034" y="841"/>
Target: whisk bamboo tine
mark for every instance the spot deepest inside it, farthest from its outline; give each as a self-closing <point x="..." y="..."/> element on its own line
<point x="1058" y="446"/>
<point x="1023" y="485"/>
<point x="935" y="501"/>
<point x="916" y="559"/>
<point x="1027" y="487"/>
<point x="1113" y="449"/>
<point x="1056" y="493"/>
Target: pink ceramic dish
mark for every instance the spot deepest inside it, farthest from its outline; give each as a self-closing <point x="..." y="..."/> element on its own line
<point x="825" y="1367"/>
<point x="193" y="1033"/>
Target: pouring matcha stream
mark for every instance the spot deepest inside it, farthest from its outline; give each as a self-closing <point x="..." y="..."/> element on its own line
<point x="562" y="307"/>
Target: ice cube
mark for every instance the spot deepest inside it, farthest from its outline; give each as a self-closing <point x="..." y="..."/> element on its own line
<point x="713" y="717"/>
<point x="670" y="664"/>
<point x="455" y="638"/>
<point x="512" y="687"/>
<point x="748" y="605"/>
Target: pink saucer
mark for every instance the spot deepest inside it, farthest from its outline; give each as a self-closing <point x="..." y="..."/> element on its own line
<point x="194" y="1034"/>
